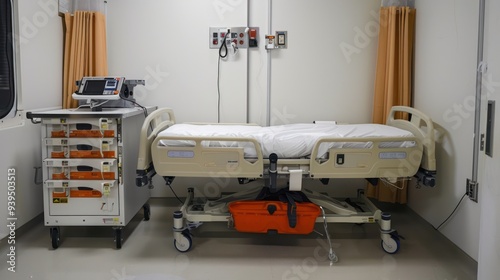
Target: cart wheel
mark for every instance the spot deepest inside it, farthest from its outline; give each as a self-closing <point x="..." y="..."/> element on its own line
<point x="184" y="243"/>
<point x="55" y="236"/>
<point x="147" y="212"/>
<point x="118" y="238"/>
<point x="392" y="246"/>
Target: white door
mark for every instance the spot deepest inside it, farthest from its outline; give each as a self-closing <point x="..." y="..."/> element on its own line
<point x="489" y="188"/>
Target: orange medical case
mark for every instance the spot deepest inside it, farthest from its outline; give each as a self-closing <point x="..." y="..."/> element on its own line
<point x="271" y="216"/>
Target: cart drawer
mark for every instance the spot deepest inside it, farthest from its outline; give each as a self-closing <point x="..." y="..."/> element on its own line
<point x="81" y="147"/>
<point x="74" y="127"/>
<point x="82" y="197"/>
<point x="81" y="169"/>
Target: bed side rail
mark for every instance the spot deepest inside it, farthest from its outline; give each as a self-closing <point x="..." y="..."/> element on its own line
<point x="198" y="160"/>
<point x="375" y="161"/>
<point x="156" y="122"/>
<point x="422" y="127"/>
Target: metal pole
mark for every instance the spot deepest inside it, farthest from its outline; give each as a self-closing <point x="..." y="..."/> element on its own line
<point x="269" y="53"/>
<point x="472" y="184"/>
<point x="248" y="69"/>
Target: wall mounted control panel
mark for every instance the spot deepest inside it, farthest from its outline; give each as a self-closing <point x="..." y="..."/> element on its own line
<point x="240" y="37"/>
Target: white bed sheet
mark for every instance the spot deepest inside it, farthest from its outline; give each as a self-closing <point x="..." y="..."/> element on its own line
<point x="287" y="141"/>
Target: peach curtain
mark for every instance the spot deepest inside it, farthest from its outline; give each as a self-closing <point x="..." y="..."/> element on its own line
<point x="84" y="50"/>
<point x="393" y="81"/>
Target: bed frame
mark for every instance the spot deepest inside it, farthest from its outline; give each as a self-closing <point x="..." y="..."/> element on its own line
<point x="197" y="160"/>
<point x="229" y="162"/>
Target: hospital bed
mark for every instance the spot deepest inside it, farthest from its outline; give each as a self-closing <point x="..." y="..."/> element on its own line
<point x="400" y="149"/>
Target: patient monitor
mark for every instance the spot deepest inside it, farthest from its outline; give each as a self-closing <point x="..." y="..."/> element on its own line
<point x="106" y="92"/>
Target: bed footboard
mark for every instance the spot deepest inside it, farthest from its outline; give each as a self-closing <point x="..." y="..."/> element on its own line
<point x="422" y="127"/>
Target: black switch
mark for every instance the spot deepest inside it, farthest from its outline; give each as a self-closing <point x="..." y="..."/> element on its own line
<point x="340" y="159"/>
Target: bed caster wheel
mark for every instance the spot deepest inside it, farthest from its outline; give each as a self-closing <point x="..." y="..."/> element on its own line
<point x="184" y="243"/>
<point x="147" y="212"/>
<point x="391" y="245"/>
<point x="55" y="236"/>
<point x="118" y="238"/>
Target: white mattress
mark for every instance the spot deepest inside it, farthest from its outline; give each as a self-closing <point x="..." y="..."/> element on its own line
<point x="287" y="141"/>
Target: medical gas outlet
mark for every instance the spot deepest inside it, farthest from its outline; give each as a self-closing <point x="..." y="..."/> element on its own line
<point x="239" y="37"/>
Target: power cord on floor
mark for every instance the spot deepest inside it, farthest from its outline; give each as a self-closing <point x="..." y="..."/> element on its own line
<point x="331" y="254"/>
<point x="170" y="186"/>
<point x="456" y="207"/>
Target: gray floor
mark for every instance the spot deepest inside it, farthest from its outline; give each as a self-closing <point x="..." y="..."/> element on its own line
<point x="219" y="253"/>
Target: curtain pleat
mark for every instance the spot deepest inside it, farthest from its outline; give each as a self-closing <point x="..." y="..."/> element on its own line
<point x="84" y="50"/>
<point x="393" y="81"/>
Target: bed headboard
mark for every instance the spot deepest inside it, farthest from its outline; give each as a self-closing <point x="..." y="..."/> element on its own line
<point x="422" y="127"/>
<point x="156" y="122"/>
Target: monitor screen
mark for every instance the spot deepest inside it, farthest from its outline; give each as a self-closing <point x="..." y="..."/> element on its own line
<point x="94" y="87"/>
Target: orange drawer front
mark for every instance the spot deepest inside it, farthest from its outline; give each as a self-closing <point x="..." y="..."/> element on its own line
<point x="92" y="133"/>
<point x="90" y="175"/>
<point x="57" y="155"/>
<point x="84" y="154"/>
<point x="59" y="194"/>
<point x="91" y="154"/>
<point x="266" y="216"/>
<point x="85" y="193"/>
<point x="59" y="176"/>
<point x="58" y="134"/>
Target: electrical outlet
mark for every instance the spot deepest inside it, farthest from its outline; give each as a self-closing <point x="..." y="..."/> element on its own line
<point x="472" y="189"/>
<point x="281" y="40"/>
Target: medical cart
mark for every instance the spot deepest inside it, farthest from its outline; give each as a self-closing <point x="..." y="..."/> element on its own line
<point x="89" y="164"/>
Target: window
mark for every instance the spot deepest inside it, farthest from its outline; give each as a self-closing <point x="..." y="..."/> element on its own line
<point x="7" y="85"/>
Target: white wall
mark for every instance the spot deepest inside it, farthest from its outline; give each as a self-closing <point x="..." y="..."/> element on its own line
<point x="327" y="70"/>
<point x="171" y="37"/>
<point x="41" y="78"/>
<point x="445" y="63"/>
<point x="489" y="191"/>
<point x="166" y="43"/>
